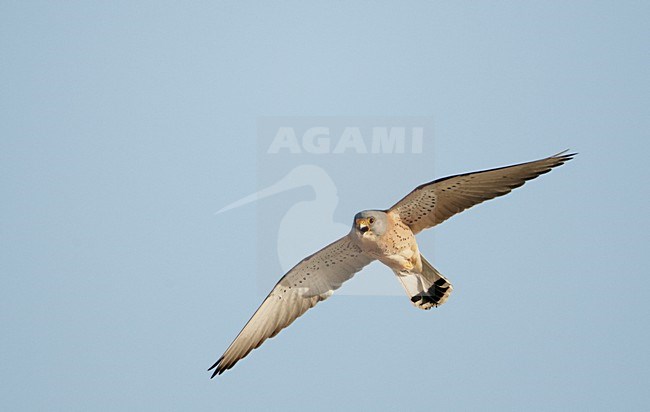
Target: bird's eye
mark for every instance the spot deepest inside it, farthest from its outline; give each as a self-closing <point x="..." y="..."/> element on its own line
<point x="371" y="220"/>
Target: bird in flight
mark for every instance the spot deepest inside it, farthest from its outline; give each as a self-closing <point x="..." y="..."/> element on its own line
<point x="387" y="236"/>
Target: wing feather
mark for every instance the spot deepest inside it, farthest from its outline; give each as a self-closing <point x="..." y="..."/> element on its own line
<point x="313" y="279"/>
<point x="434" y="202"/>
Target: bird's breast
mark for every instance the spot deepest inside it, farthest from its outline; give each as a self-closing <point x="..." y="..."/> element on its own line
<point x="396" y="248"/>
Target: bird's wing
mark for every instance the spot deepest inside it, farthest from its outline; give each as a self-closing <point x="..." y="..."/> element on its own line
<point x="313" y="279"/>
<point x="434" y="202"/>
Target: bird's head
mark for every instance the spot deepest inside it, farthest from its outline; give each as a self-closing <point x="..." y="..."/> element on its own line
<point x="370" y="223"/>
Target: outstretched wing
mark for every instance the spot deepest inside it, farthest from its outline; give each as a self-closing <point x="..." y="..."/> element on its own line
<point x="434" y="202"/>
<point x="313" y="279"/>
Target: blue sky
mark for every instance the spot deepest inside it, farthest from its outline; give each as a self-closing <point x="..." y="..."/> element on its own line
<point x="124" y="127"/>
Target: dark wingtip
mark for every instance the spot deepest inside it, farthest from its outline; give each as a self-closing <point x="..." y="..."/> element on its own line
<point x="564" y="155"/>
<point x="218" y="370"/>
<point x="560" y="159"/>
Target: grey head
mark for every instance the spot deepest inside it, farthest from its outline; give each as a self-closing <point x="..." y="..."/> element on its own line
<point x="370" y="222"/>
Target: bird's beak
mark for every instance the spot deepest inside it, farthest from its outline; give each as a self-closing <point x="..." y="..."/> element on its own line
<point x="362" y="224"/>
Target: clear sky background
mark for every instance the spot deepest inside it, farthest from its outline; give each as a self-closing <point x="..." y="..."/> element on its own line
<point x="125" y="125"/>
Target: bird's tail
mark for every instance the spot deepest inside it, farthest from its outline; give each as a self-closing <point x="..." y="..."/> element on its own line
<point x="427" y="289"/>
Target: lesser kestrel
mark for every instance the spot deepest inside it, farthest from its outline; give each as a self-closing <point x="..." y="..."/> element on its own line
<point x="387" y="236"/>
